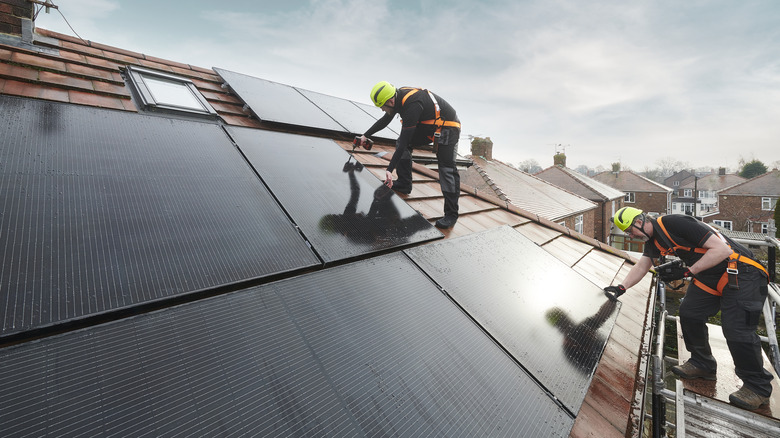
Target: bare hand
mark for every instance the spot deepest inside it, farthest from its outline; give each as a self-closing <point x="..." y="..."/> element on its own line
<point x="388" y="179"/>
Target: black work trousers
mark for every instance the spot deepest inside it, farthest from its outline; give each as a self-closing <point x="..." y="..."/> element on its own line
<point x="449" y="178"/>
<point x="740" y="310"/>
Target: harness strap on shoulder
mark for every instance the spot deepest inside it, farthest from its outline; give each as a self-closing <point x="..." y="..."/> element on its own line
<point x="731" y="272"/>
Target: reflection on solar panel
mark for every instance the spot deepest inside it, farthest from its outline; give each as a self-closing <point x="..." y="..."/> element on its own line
<point x="342" y="209"/>
<point x="103" y="209"/>
<point x="551" y="319"/>
<point x="274" y="102"/>
<point x="367" y="349"/>
<point x="355" y="118"/>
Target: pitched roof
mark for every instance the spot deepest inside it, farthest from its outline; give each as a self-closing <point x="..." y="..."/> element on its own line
<point x="524" y="190"/>
<point x="580" y="184"/>
<point x="90" y="76"/>
<point x="629" y="181"/>
<point x="713" y="182"/>
<point x="767" y="184"/>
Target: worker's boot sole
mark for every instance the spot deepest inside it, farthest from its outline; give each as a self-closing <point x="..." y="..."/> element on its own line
<point x="690" y="371"/>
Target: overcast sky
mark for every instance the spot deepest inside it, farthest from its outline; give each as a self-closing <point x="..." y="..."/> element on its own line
<point x="637" y="82"/>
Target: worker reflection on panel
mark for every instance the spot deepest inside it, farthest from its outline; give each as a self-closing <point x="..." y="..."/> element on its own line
<point x="382" y="223"/>
<point x="579" y="339"/>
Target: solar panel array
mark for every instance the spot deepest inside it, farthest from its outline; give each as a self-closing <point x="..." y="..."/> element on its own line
<point x="103" y="209"/>
<point x="275" y="102"/>
<point x="106" y="211"/>
<point x="367" y="349"/>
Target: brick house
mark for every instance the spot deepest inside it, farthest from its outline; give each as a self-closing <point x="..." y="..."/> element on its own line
<point x="642" y="193"/>
<point x="607" y="199"/>
<point x="699" y="190"/>
<point x="750" y="205"/>
<point x="533" y="194"/>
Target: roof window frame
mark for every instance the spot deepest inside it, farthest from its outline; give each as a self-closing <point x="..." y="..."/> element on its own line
<point x="137" y="77"/>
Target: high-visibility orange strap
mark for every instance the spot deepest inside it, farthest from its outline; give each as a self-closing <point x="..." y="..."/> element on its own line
<point x="438" y="123"/>
<point x="724" y="279"/>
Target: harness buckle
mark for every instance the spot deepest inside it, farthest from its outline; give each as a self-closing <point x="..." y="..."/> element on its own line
<point x="732" y="271"/>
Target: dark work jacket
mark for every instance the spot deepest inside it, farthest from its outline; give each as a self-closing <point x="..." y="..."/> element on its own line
<point x="689" y="232"/>
<point x="417" y="107"/>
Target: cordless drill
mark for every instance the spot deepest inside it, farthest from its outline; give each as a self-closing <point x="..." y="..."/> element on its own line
<point x="356" y="142"/>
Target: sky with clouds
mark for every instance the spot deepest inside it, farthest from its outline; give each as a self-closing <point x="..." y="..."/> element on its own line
<point x="696" y="82"/>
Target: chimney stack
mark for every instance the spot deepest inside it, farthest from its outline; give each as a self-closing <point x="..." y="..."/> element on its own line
<point x="16" y="19"/>
<point x="482" y="147"/>
<point x="721" y="171"/>
<point x="559" y="159"/>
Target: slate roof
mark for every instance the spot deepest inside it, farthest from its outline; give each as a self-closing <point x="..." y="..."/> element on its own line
<point x="713" y="182"/>
<point x="90" y="75"/>
<point x="524" y="190"/>
<point x="767" y="184"/>
<point x="580" y="184"/>
<point x="629" y="181"/>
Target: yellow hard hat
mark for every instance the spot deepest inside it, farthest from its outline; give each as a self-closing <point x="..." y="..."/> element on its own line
<point x="625" y="217"/>
<point x="382" y="92"/>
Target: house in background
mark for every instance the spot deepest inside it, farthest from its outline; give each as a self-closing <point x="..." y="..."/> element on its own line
<point x="532" y="194"/>
<point x="701" y="191"/>
<point x="677" y="179"/>
<point x="748" y="206"/>
<point x="193" y="262"/>
<point x="608" y="199"/>
<point x="642" y="193"/>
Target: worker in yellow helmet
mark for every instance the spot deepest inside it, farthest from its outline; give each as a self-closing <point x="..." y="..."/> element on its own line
<point x="724" y="277"/>
<point x="427" y="118"/>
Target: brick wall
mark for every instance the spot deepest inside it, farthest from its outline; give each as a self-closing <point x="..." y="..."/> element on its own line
<point x="650" y="202"/>
<point x="738" y="209"/>
<point x="602" y="223"/>
<point x="11" y="14"/>
<point x="588" y="221"/>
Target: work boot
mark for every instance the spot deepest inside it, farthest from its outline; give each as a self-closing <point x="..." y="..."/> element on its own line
<point x="691" y="371"/>
<point x="446" y="222"/>
<point x="745" y="398"/>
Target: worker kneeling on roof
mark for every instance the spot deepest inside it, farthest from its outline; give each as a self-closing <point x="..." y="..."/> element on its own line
<point x="426" y="118"/>
<point x="725" y="277"/>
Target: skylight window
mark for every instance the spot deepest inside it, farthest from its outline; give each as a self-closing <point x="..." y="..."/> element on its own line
<point x="167" y="92"/>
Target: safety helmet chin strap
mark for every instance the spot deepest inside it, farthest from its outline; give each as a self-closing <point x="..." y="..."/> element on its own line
<point x="642" y="228"/>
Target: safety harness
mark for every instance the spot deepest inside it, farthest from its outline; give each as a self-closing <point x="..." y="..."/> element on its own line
<point x="438" y="122"/>
<point x="729" y="277"/>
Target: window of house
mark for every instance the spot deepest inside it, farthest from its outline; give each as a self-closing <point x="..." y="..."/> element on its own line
<point x="164" y="91"/>
<point x="688" y="193"/>
<point x="676" y="183"/>
<point x="764" y="228"/>
<point x="724" y="224"/>
<point x="578" y="224"/>
<point x="630" y="197"/>
<point x="768" y="203"/>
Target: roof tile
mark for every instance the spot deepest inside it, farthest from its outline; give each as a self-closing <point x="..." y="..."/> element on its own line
<point x="92" y="99"/>
<point x="38" y="91"/>
<point x="65" y="81"/>
<point x="37" y="61"/>
<point x="18" y="72"/>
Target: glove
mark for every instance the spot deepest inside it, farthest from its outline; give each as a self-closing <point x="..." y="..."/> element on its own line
<point x="613" y="292"/>
<point x="673" y="272"/>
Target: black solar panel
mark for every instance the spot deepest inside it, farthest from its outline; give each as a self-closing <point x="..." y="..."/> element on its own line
<point x="275" y="102"/>
<point x="551" y="319"/>
<point x="104" y="209"/>
<point x="355" y="117"/>
<point x="342" y="209"/>
<point x="367" y="349"/>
